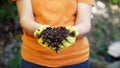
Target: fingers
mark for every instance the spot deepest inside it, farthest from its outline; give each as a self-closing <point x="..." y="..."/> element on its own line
<point x="44" y="43"/>
<point x="70" y="39"/>
<point x="41" y="38"/>
<point x="39" y="30"/>
<point x="72" y="30"/>
<point x="67" y="42"/>
<point x="56" y="38"/>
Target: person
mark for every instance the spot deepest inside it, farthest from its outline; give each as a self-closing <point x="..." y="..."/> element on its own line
<point x="35" y="13"/>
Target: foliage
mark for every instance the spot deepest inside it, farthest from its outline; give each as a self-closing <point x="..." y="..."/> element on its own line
<point x="9" y="30"/>
<point x="15" y="62"/>
<point x="105" y="31"/>
<point x="116" y="2"/>
<point x="8" y="12"/>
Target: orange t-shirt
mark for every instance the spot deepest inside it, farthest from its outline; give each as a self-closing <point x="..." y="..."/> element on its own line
<point x="55" y="13"/>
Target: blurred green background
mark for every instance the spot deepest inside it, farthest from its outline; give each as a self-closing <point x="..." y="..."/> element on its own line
<point x="105" y="31"/>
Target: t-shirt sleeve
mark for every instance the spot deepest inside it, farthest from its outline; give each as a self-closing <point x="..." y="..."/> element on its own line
<point x="91" y="2"/>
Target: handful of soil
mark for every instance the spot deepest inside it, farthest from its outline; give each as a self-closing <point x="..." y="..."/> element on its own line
<point x="54" y="37"/>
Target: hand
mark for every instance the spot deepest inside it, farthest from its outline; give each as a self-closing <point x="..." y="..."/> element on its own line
<point x="70" y="39"/>
<point x="40" y="36"/>
<point x="56" y="38"/>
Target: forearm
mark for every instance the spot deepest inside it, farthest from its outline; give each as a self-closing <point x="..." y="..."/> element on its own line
<point x="26" y="16"/>
<point x="29" y="26"/>
<point x="83" y="19"/>
<point x="83" y="28"/>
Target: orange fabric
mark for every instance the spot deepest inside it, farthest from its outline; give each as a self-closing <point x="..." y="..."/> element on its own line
<point x="55" y="13"/>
